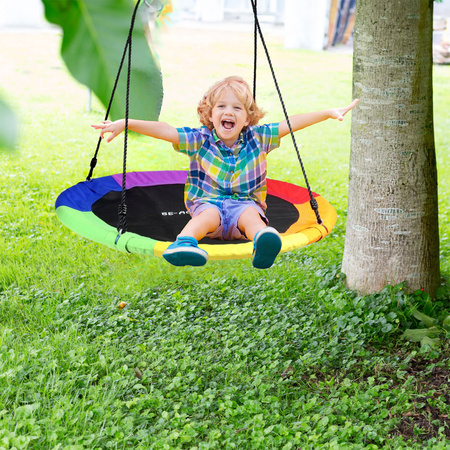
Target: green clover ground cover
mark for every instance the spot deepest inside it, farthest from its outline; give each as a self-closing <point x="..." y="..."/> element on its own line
<point x="249" y="364"/>
<point x="218" y="357"/>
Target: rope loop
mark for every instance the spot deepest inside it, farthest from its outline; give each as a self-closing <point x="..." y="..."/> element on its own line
<point x="315" y="208"/>
<point x="122" y="225"/>
<point x="122" y="209"/>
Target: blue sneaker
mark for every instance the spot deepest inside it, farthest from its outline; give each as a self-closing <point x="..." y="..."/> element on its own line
<point x="185" y="252"/>
<point x="266" y="246"/>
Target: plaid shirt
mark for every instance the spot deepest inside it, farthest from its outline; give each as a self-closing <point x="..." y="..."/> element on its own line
<point x="217" y="172"/>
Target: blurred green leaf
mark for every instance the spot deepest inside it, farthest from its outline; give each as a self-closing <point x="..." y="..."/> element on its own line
<point x="426" y="320"/>
<point x="416" y="335"/>
<point x="446" y="323"/>
<point x="94" y="37"/>
<point x="8" y="127"/>
<point x="432" y="342"/>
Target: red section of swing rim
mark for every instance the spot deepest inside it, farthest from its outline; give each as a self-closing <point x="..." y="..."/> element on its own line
<point x="288" y="191"/>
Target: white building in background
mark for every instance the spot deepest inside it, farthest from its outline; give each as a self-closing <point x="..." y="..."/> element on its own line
<point x="22" y="14"/>
<point x="219" y="10"/>
<point x="305" y="22"/>
<point x="305" y="26"/>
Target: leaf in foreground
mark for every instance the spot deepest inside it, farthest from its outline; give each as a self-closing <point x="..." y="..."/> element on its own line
<point x="94" y="37"/>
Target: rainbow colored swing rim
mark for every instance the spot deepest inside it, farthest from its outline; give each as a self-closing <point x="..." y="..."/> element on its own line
<point x="74" y="210"/>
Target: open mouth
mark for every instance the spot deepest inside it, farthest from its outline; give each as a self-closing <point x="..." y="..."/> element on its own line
<point x="227" y="124"/>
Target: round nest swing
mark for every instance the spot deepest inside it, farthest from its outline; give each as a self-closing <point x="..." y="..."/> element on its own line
<point x="156" y="214"/>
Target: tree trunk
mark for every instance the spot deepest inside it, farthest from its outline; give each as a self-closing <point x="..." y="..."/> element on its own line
<point x="392" y="228"/>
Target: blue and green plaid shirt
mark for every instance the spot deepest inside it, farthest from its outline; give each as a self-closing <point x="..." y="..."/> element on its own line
<point x="217" y="172"/>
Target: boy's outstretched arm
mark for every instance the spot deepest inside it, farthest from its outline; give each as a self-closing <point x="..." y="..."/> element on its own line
<point x="158" y="130"/>
<point x="300" y="121"/>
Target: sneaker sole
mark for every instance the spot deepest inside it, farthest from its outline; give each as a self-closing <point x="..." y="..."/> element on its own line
<point x="186" y="257"/>
<point x="267" y="247"/>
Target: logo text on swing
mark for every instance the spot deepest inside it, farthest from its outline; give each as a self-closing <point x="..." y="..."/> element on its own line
<point x="173" y="213"/>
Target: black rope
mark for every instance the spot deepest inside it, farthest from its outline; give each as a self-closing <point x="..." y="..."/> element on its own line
<point x="255" y="53"/>
<point x="94" y="159"/>
<point x="122" y="225"/>
<point x="313" y="201"/>
<point x="122" y="210"/>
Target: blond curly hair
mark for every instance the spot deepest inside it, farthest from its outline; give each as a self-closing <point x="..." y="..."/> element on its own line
<point x="243" y="93"/>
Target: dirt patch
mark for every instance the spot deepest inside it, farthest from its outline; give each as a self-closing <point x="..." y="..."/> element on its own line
<point x="425" y="421"/>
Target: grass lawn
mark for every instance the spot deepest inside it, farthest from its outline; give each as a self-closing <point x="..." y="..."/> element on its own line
<point x="218" y="357"/>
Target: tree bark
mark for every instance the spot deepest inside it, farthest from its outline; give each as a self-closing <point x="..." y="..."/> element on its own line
<point x="392" y="226"/>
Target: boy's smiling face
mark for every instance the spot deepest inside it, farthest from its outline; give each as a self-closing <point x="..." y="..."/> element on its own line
<point x="229" y="116"/>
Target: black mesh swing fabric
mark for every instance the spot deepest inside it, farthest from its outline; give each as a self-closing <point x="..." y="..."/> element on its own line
<point x="158" y="212"/>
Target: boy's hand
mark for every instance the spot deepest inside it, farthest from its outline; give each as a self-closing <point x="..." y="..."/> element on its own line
<point x="300" y="121"/>
<point x="339" y="113"/>
<point x="115" y="128"/>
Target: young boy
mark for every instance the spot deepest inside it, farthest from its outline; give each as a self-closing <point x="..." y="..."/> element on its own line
<point x="225" y="190"/>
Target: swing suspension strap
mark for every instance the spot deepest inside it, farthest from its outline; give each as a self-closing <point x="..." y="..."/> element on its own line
<point x="313" y="201"/>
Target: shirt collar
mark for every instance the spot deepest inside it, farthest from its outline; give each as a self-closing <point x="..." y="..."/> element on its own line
<point x="217" y="138"/>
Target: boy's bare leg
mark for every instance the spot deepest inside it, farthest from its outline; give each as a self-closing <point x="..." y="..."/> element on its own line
<point x="199" y="226"/>
<point x="185" y="250"/>
<point x="266" y="240"/>
<point x="250" y="222"/>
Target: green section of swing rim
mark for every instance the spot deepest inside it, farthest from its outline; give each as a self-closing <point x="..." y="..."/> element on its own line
<point x="88" y="225"/>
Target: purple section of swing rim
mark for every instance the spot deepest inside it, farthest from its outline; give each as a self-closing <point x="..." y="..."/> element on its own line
<point x="137" y="179"/>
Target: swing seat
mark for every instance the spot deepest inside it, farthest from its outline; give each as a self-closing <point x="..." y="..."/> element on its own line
<point x="156" y="214"/>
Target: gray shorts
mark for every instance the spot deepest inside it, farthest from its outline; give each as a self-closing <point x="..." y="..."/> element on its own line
<point x="229" y="210"/>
